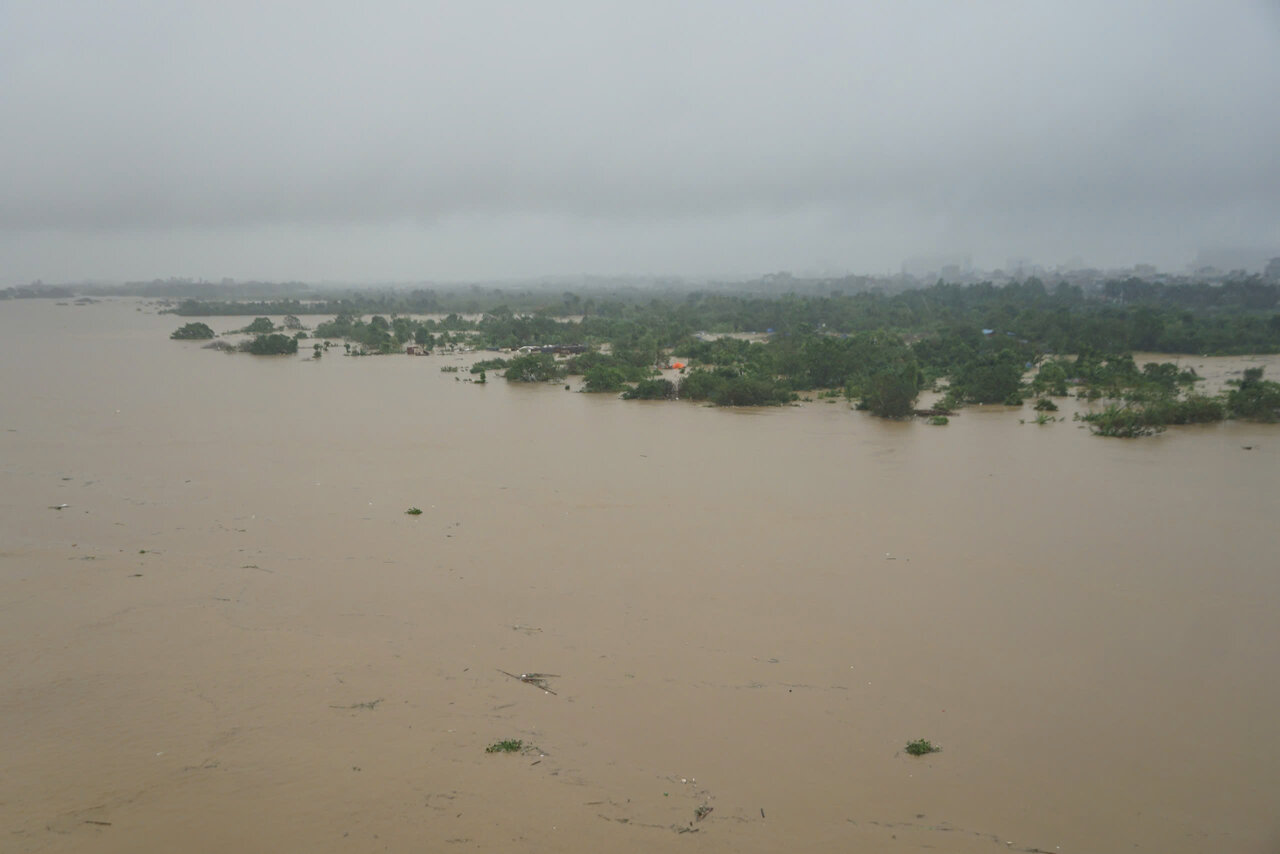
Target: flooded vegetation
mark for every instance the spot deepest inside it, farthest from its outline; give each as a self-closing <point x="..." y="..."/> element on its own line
<point x="231" y="633"/>
<point x="881" y="351"/>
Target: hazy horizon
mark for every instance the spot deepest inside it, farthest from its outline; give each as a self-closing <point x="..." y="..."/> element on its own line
<point x="486" y="141"/>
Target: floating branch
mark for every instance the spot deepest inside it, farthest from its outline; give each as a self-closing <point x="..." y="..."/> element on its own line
<point x="537" y="680"/>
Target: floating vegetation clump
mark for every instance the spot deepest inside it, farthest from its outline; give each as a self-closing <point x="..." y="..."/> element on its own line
<point x="921" y="747"/>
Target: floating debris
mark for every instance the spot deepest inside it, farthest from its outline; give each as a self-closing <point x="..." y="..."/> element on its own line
<point x="368" y="705"/>
<point x="537" y="680"/>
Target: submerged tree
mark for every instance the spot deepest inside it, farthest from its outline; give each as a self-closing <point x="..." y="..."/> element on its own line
<point x="272" y="345"/>
<point x="1255" y="398"/>
<point x="534" y="368"/>
<point x="652" y="389"/>
<point x="892" y="391"/>
<point x="192" y="332"/>
<point x="992" y="378"/>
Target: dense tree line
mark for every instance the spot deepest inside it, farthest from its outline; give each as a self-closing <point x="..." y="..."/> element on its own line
<point x="1240" y="316"/>
<point x="981" y="342"/>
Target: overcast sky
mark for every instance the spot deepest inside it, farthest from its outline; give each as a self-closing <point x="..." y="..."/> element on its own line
<point x="462" y="140"/>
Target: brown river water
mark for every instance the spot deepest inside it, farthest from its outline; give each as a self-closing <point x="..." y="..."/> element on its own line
<point x="233" y="638"/>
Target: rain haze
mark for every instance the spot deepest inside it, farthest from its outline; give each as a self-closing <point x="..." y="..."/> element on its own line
<point x="480" y="140"/>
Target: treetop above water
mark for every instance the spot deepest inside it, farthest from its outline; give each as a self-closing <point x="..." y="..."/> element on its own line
<point x="878" y="349"/>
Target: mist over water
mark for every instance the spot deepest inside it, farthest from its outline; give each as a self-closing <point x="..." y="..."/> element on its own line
<point x="233" y="638"/>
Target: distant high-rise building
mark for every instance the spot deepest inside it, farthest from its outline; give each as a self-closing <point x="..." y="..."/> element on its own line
<point x="1018" y="267"/>
<point x="938" y="265"/>
<point x="1249" y="259"/>
<point x="1272" y="271"/>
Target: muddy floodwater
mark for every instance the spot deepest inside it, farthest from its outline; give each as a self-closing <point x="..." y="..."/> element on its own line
<point x="233" y="638"/>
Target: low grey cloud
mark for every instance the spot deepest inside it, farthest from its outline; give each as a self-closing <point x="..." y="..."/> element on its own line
<point x="454" y="140"/>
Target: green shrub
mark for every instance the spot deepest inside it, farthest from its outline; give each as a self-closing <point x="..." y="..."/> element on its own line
<point x="949" y="402"/>
<point x="655" y="389"/>
<point x="273" y="345"/>
<point x="1255" y="398"/>
<point x="921" y="747"/>
<point x="1051" y="379"/>
<point x="627" y="365"/>
<point x="192" y="332"/>
<point x="892" y="392"/>
<point x="752" y="391"/>
<point x="1122" y="422"/>
<point x="604" y="378"/>
<point x="534" y="368"/>
<point x="260" y="325"/>
<point x="991" y="378"/>
<point x="1196" y="409"/>
<point x="701" y="384"/>
<point x="484" y="365"/>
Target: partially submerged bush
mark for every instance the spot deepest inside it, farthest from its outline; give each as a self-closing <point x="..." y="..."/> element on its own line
<point x="1147" y="417"/>
<point x="192" y="332"/>
<point x="727" y="387"/>
<point x="609" y="371"/>
<point x="260" y="325"/>
<point x="1255" y="398"/>
<point x="272" y="345"/>
<point x="1193" y="409"/>
<point x="604" y="378"/>
<point x="482" y="365"/>
<point x="654" y="389"/>
<point x="949" y="402"/>
<point x="892" y="392"/>
<point x="921" y="747"/>
<point x="990" y="378"/>
<point x="534" y="368"/>
<point x="752" y="391"/>
<point x="1122" y="422"/>
<point x="1051" y="378"/>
